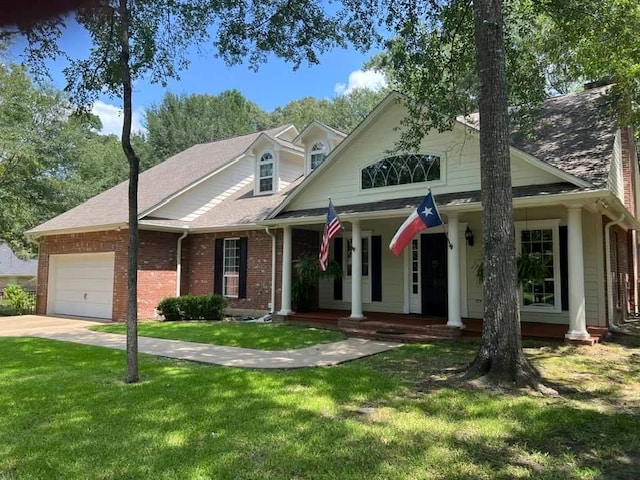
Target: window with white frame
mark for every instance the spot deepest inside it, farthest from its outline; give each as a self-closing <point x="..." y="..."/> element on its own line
<point x="266" y="172"/>
<point x="318" y="153"/>
<point x="401" y="170"/>
<point x="231" y="270"/>
<point x="540" y="239"/>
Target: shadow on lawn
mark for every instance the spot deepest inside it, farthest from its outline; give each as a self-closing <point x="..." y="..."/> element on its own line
<point x="68" y="415"/>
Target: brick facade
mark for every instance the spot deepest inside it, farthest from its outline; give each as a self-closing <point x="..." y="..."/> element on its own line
<point x="199" y="259"/>
<point x="156" y="266"/>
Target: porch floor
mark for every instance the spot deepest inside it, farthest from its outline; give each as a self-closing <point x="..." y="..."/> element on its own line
<point x="408" y="328"/>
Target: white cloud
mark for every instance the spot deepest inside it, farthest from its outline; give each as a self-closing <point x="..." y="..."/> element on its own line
<point x="111" y="117"/>
<point x="366" y="79"/>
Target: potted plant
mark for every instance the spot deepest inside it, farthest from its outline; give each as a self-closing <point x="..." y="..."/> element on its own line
<point x="305" y="284"/>
<point x="532" y="268"/>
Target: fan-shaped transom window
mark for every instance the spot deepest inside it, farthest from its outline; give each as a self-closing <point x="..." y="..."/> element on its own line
<point x="401" y="170"/>
<point x="265" y="173"/>
<point x="319" y="152"/>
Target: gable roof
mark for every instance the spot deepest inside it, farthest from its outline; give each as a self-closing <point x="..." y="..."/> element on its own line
<point x="574" y="133"/>
<point x="165" y="180"/>
<point x="321" y="126"/>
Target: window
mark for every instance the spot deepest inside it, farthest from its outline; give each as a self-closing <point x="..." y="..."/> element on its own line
<point x="415" y="266"/>
<point x="265" y="173"/>
<point x="365" y="256"/>
<point x="401" y="170"/>
<point x="540" y="239"/>
<point x="319" y="152"/>
<point x="231" y="268"/>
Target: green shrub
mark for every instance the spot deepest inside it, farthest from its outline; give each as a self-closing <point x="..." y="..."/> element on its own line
<point x="169" y="308"/>
<point x="193" y="307"/>
<point x="19" y="299"/>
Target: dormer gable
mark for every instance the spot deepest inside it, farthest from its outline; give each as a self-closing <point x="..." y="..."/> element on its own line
<point x="278" y="162"/>
<point x="318" y="140"/>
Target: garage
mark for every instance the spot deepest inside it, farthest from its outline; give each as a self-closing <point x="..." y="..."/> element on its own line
<point x="81" y="284"/>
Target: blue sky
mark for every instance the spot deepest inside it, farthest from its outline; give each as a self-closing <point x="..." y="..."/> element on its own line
<point x="274" y="84"/>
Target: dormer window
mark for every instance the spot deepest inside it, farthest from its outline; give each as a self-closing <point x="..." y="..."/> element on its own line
<point x="319" y="152"/>
<point x="265" y="173"/>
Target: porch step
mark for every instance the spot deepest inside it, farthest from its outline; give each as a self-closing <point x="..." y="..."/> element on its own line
<point x="400" y="337"/>
<point x="397" y="329"/>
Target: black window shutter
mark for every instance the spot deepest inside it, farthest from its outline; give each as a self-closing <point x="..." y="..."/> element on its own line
<point x="376" y="268"/>
<point x="337" y="256"/>
<point x="242" y="287"/>
<point x="217" y="266"/>
<point x="564" y="268"/>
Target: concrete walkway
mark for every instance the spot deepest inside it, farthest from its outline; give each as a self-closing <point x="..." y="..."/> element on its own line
<point x="71" y="330"/>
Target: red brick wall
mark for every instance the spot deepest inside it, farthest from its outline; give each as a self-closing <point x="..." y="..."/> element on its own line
<point x="93" y="242"/>
<point x="156" y="266"/>
<point x="199" y="253"/>
<point x="621" y="279"/>
<point x="156" y="270"/>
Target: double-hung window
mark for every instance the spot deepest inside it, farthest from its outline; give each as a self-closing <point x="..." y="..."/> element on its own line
<point x="540" y="239"/>
<point x="319" y="152"/>
<point x="231" y="268"/>
<point x="266" y="173"/>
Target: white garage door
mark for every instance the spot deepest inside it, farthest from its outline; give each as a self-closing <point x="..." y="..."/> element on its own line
<point x="81" y="284"/>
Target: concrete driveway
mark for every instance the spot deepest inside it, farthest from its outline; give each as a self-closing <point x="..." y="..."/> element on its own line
<point x="36" y="325"/>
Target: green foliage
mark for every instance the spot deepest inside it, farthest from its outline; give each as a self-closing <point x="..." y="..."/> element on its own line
<point x="52" y="160"/>
<point x="532" y="268"/>
<point x="307" y="272"/>
<point x="192" y="307"/>
<point x="19" y="300"/>
<point x="180" y="122"/>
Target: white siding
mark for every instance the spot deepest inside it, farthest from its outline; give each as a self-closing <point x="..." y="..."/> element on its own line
<point x="616" y="177"/>
<point x="290" y="167"/>
<point x="203" y="197"/>
<point x="593" y="267"/>
<point x="460" y="169"/>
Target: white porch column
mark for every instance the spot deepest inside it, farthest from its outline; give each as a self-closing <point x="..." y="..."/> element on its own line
<point x="577" y="320"/>
<point x="356" y="271"/>
<point x="287" y="247"/>
<point x="453" y="272"/>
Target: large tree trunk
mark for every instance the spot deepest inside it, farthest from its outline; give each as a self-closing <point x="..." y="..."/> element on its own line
<point x="134" y="168"/>
<point x="500" y="358"/>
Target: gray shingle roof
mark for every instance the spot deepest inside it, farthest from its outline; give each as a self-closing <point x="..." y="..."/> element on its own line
<point x="574" y="133"/>
<point x="155" y="184"/>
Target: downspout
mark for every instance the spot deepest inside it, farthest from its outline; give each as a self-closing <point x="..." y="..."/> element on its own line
<point x="272" y="309"/>
<point x="179" y="262"/>
<point x="607" y="255"/>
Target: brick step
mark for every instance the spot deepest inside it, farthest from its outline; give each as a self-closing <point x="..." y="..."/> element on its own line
<point x="402" y="338"/>
<point x="437" y="330"/>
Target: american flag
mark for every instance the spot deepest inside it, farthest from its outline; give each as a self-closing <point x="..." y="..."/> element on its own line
<point x="331" y="229"/>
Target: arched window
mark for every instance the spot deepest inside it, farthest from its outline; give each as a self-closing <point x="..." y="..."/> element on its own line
<point x="265" y="173"/>
<point x="319" y="152"/>
<point x="401" y="170"/>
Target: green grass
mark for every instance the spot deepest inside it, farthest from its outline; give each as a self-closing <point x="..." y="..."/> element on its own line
<point x="248" y="335"/>
<point x="66" y="414"/>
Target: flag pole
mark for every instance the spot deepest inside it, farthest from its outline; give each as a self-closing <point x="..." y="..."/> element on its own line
<point x="444" y="230"/>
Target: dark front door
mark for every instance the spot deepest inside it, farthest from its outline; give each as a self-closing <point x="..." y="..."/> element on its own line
<point x="434" y="274"/>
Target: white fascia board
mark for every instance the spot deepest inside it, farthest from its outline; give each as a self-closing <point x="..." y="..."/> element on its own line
<point x="67" y="231"/>
<point x="331" y="132"/>
<point x="226" y="228"/>
<point x="285" y="130"/>
<point x="175" y="195"/>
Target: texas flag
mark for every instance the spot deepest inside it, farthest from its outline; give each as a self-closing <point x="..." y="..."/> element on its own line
<point x="425" y="216"/>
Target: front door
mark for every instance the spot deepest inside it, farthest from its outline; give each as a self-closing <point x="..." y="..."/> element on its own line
<point x="433" y="276"/>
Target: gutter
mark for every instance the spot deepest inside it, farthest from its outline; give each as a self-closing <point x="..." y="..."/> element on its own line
<point x="607" y="255"/>
<point x="179" y="262"/>
<point x="272" y="308"/>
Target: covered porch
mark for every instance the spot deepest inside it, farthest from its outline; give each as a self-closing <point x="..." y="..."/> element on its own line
<point x="415" y="328"/>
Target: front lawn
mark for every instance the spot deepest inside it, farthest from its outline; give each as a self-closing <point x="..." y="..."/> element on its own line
<point x="267" y="336"/>
<point x="66" y="414"/>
